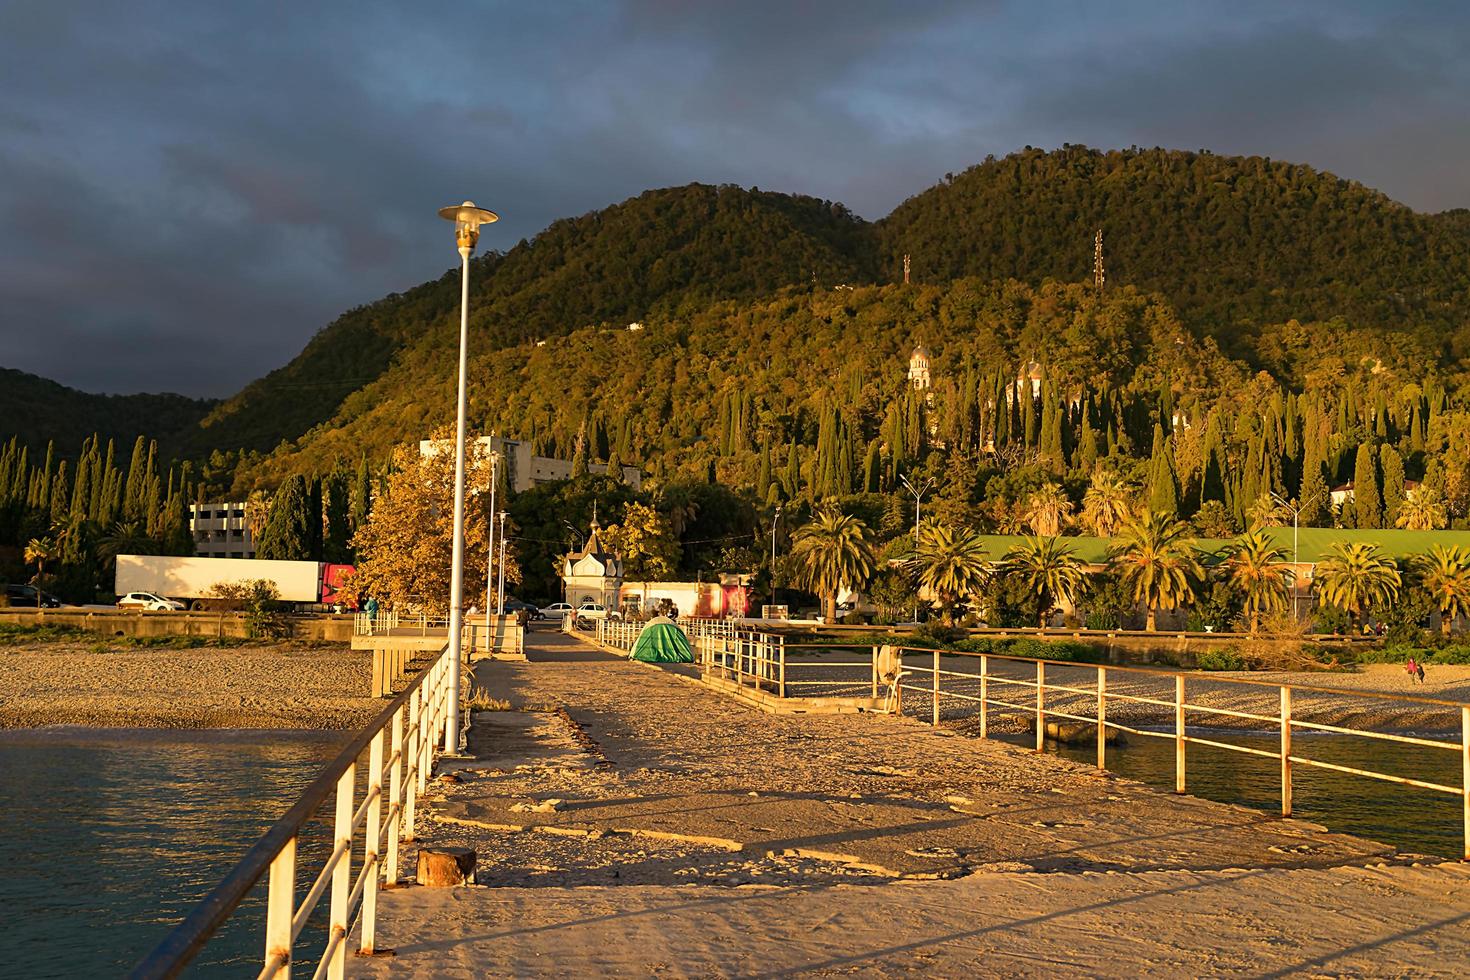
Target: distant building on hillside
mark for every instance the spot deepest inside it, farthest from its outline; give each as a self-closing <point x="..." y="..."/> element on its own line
<point x="524" y="469"/>
<point x="919" y="375"/>
<point x="221" y="530"/>
<point x="593" y="574"/>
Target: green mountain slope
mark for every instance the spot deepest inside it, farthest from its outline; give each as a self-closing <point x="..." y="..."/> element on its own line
<point x="38" y="411"/>
<point x="663" y="249"/>
<point x="1234" y="242"/>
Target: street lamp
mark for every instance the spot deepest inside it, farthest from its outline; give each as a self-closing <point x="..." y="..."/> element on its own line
<point x="490" y="548"/>
<point x="775" y="521"/>
<point x="1296" y="556"/>
<point x="467" y="221"/>
<point x="918" y="493"/>
<point x="500" y="605"/>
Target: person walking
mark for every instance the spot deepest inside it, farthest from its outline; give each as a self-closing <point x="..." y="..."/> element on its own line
<point x="1412" y="668"/>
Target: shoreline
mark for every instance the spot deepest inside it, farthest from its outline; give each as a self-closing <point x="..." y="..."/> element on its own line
<point x="250" y="688"/>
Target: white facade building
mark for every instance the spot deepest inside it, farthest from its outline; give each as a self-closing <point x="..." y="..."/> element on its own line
<point x="524" y="469"/>
<point x="221" y="530"/>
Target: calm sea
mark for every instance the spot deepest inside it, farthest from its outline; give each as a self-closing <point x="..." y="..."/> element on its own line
<point x="112" y="836"/>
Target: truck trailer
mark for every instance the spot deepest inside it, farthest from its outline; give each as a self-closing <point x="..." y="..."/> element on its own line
<point x="192" y="580"/>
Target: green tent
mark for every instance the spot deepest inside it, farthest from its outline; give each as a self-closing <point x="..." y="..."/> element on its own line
<point x="662" y="642"/>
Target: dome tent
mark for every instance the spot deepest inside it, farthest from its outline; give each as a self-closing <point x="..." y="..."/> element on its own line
<point x="662" y="642"/>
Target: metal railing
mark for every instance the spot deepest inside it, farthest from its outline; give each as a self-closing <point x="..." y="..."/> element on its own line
<point x="400" y="744"/>
<point x="748" y="657"/>
<point x="906" y="668"/>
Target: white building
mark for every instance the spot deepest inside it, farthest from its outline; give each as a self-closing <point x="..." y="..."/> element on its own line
<point x="919" y="375"/>
<point x="221" y="530"/>
<point x="525" y="469"/>
<point x="592" y="574"/>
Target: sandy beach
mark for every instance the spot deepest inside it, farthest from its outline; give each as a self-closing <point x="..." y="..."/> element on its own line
<point x="269" y="686"/>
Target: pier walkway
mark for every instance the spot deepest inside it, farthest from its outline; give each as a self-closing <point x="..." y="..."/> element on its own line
<point x="630" y="821"/>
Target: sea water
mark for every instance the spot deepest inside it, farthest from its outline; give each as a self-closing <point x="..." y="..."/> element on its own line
<point x="113" y="835"/>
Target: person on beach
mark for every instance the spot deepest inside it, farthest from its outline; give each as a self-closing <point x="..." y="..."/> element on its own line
<point x="371" y="608"/>
<point x="1419" y="669"/>
<point x="1412" y="668"/>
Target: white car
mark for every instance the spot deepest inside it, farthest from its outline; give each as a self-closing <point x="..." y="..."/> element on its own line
<point x="593" y="610"/>
<point x="151" y="601"/>
<point x="557" y="610"/>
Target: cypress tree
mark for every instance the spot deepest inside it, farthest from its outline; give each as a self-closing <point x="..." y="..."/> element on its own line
<point x="336" y="519"/>
<point x="763" y="477"/>
<point x="791" y="480"/>
<point x="1315" y="497"/>
<point x="362" y="494"/>
<point x="1367" y="503"/>
<point x="872" y="469"/>
<point x="287" y="534"/>
<point x="1392" y="465"/>
<point x="1087" y="453"/>
<point x="1163" y="485"/>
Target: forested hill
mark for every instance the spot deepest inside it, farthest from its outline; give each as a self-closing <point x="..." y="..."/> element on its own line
<point x="41" y="411"/>
<point x="1234" y="242"/>
<point x="656" y="252"/>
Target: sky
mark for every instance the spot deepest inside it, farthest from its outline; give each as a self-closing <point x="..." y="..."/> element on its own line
<point x="189" y="191"/>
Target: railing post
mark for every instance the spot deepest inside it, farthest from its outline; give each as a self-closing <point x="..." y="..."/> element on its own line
<point x="1102" y="717"/>
<point x="395" y="799"/>
<point x="1285" y="751"/>
<point x="781" y="652"/>
<point x="411" y="762"/>
<point x="984" y="696"/>
<point x="935" y="720"/>
<point x="875" y="672"/>
<point x="341" y="876"/>
<point x="426" y="740"/>
<point x="1179" y="733"/>
<point x="1040" y="706"/>
<point x="371" y="860"/>
<point x="1465" y="772"/>
<point x="280" y="907"/>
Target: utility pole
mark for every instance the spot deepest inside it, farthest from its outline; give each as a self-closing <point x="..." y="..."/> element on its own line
<point x="490" y="545"/>
<point x="500" y="603"/>
<point x="1097" y="263"/>
<point x="918" y="493"/>
<point x="1296" y="552"/>
<point x="774" y="522"/>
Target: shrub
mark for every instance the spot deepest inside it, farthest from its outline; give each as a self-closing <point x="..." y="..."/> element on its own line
<point x="1330" y="619"/>
<point x="1222" y="659"/>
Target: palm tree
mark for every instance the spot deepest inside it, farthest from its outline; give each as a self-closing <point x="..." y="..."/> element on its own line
<point x="1445" y="574"/>
<point x="1422" y="511"/>
<point x="1107" y="504"/>
<point x="1355" y="576"/>
<point x="1258" y="569"/>
<point x="833" y="551"/>
<point x="39" y="551"/>
<point x="127" y="538"/>
<point x="1047" y="510"/>
<point x="1049" y="568"/>
<point x="1155" y="563"/>
<point x="949" y="565"/>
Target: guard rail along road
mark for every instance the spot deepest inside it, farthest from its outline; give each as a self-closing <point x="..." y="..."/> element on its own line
<point x="373" y="820"/>
<point x="768" y="663"/>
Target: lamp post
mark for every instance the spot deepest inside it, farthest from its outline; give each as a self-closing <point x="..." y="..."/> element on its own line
<point x="1296" y="555"/>
<point x="775" y="522"/>
<point x="500" y="603"/>
<point x="490" y="547"/>
<point x="918" y="493"/>
<point x="467" y="221"/>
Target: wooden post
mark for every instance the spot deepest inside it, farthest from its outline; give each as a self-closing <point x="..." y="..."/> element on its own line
<point x="984" y="696"/>
<point x="1179" y="733"/>
<point x="1040" y="706"/>
<point x="1285" y="751"/>
<point x="1102" y="718"/>
<point x="280" y="907"/>
<point x="935" y="721"/>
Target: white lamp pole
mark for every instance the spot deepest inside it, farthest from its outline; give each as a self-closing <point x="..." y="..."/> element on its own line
<point x="467" y="221"/>
<point x="490" y="547"/>
<point x="918" y="493"/>
<point x="500" y="604"/>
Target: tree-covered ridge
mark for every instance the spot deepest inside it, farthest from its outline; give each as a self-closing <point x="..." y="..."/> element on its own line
<point x="1234" y="242"/>
<point x="659" y="251"/>
<point x="39" y="411"/>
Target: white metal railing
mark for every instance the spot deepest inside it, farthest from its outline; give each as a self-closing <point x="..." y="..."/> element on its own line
<point x="919" y="671"/>
<point x="400" y="744"/>
<point x="384" y="621"/>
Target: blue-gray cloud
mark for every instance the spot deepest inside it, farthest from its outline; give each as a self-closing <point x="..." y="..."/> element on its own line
<point x="188" y="192"/>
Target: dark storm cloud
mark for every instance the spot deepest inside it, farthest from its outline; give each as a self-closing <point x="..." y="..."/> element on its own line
<point x="188" y="192"/>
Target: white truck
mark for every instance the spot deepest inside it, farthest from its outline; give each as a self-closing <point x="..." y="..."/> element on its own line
<point x="192" y="580"/>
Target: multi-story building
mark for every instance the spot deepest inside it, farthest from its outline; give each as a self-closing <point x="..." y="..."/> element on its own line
<point x="524" y="469"/>
<point x="221" y="530"/>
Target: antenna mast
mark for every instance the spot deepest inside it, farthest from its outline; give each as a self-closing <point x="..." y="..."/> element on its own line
<point x="1097" y="263"/>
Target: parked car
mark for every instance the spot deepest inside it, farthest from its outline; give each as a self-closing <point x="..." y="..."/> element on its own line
<point x="557" y="610"/>
<point x="151" y="601"/>
<point x="515" y="607"/>
<point x="594" y="610"/>
<point x="22" y="596"/>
